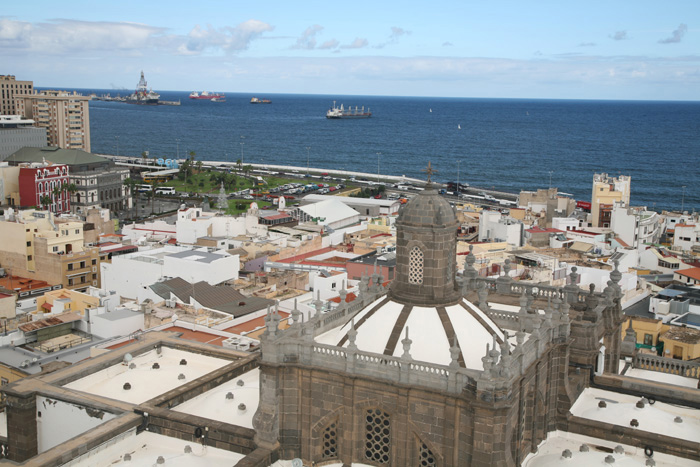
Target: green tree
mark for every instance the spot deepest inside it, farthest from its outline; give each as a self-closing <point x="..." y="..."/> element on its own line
<point x="239" y="163"/>
<point x="144" y="155"/>
<point x="45" y="201"/>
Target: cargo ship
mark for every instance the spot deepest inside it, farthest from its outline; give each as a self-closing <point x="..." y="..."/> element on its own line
<point x="255" y="100"/>
<point x="207" y="95"/>
<point x="341" y="112"/>
<point x="143" y="95"/>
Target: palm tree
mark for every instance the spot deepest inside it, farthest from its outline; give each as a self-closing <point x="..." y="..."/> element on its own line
<point x="45" y="200"/>
<point x="239" y="163"/>
<point x="71" y="188"/>
<point x="56" y="192"/>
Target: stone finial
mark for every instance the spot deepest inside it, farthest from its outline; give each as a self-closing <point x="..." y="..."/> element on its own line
<point x="591" y="298"/>
<point x="364" y="285"/>
<point x="507" y="267"/>
<point x="406" y="342"/>
<point x="454" y="353"/>
<point x="343" y="293"/>
<point x="486" y="362"/>
<point x="615" y="274"/>
<point x="470" y="259"/>
<point x="296" y="314"/>
<point x="530" y="302"/>
<point x="523" y="303"/>
<point x="352" y="335"/>
<point x="318" y="304"/>
<point x="574" y="275"/>
<point x="482" y="293"/>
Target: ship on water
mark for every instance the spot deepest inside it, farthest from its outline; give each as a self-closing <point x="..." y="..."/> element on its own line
<point x="342" y="112"/>
<point x="206" y="95"/>
<point x="143" y="95"/>
<point x="255" y="100"/>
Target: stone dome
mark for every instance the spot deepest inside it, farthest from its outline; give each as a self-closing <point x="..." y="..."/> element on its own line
<point x="427" y="209"/>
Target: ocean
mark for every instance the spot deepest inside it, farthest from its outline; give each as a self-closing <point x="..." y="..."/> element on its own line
<point x="504" y="144"/>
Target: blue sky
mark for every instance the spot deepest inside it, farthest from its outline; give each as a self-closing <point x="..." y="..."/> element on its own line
<point x="510" y="49"/>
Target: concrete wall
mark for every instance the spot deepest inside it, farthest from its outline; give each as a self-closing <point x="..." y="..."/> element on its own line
<point x="59" y="421"/>
<point x="104" y="327"/>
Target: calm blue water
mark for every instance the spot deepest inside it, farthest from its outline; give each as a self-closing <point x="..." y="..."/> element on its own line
<point x="507" y="144"/>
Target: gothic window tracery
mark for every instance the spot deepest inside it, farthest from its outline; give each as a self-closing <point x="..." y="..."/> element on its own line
<point x="330" y="441"/>
<point x="377" y="436"/>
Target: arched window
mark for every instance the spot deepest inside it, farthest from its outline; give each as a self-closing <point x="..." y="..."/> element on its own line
<point x="377" y="436"/>
<point x="415" y="266"/>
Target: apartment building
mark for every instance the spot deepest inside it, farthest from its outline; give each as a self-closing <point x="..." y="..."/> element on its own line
<point x="10" y="90"/>
<point x="606" y="191"/>
<point x="65" y="115"/>
<point x="37" y="245"/>
<point x="17" y="132"/>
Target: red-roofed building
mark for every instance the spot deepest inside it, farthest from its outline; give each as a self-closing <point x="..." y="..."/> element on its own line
<point x="689" y="276"/>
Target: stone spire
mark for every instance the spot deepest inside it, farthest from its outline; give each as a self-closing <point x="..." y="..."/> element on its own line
<point x="222" y="201"/>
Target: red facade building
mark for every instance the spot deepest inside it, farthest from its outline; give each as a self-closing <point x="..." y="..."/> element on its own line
<point x="44" y="186"/>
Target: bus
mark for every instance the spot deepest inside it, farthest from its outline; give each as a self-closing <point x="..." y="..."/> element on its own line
<point x="165" y="190"/>
<point x="143" y="188"/>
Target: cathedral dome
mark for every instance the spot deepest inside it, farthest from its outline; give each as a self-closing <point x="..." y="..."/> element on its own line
<point x="427" y="209"/>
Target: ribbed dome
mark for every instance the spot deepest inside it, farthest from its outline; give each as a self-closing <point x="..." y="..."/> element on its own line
<point x="427" y="209"/>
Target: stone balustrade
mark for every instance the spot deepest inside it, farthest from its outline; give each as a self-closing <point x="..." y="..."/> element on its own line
<point x="667" y="365"/>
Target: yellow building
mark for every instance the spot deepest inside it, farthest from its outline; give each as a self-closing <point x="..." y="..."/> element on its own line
<point x="606" y="191"/>
<point x="646" y="330"/>
<point x="65" y="116"/>
<point x="58" y="301"/>
<point x="37" y="245"/>
<point x="675" y="341"/>
<point x="10" y="90"/>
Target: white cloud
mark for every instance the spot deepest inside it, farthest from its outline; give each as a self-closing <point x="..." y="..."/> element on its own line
<point x="331" y="44"/>
<point x="676" y="36"/>
<point x="619" y="36"/>
<point x="62" y="36"/>
<point x="358" y="43"/>
<point x="308" y="38"/>
<point x="396" y="33"/>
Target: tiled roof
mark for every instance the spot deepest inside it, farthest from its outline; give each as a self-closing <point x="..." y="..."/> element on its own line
<point x="693" y="273"/>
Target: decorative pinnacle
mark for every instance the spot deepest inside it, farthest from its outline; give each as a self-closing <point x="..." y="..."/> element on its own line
<point x="406" y="342"/>
<point x="430" y="171"/>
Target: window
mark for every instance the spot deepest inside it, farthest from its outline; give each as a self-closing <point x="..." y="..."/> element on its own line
<point x="94" y="276"/>
<point x="70" y="266"/>
<point x="94" y="261"/>
<point x="330" y="441"/>
<point x="426" y="458"/>
<point x="82" y="264"/>
<point x="377" y="436"/>
<point x="4" y="381"/>
<point x="648" y="339"/>
<point x="30" y="258"/>
<point x="415" y="266"/>
<point x="55" y="248"/>
<point x="29" y="244"/>
<point x="77" y="231"/>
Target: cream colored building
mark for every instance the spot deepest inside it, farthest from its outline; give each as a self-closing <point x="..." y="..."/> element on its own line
<point x="10" y="90"/>
<point x="606" y="191"/>
<point x="65" y="115"/>
<point x="37" y="245"/>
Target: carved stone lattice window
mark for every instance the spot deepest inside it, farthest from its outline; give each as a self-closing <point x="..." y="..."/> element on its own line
<point x="377" y="436"/>
<point x="415" y="266"/>
<point x="330" y="441"/>
<point x="426" y="458"/>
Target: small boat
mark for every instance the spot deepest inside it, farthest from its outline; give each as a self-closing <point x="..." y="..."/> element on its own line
<point x="431" y="110"/>
<point x="459" y="127"/>
<point x="206" y="95"/>
<point x="218" y="99"/>
<point x="255" y="100"/>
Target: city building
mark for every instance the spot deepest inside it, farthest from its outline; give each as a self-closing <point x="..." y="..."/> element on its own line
<point x="45" y="186"/>
<point x="635" y="226"/>
<point x="331" y="213"/>
<point x="17" y="132"/>
<point x="65" y="115"/>
<point x="495" y="227"/>
<point x="607" y="190"/>
<point x="98" y="181"/>
<point x="548" y="201"/>
<point x="442" y="368"/>
<point x="687" y="237"/>
<point x="365" y="206"/>
<point x="12" y="90"/>
<point x="690" y="276"/>
<point x="39" y="245"/>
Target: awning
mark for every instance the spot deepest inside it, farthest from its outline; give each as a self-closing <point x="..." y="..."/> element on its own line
<point x="581" y="246"/>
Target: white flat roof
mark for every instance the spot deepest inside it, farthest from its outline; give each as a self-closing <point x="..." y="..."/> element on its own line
<point x="549" y="453"/>
<point x="146" y="447"/>
<point x="146" y="382"/>
<point x="214" y="405"/>
<point x="667" y="378"/>
<point x="620" y="410"/>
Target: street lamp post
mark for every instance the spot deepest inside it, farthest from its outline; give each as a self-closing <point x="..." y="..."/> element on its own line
<point x="683" y="200"/>
<point x="242" y="143"/>
<point x="177" y="142"/>
<point x="117" y="139"/>
<point x="308" y="148"/>
<point x="378" y="156"/>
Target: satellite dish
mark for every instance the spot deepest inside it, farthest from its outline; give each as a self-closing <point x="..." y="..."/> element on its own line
<point x="296" y="462"/>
